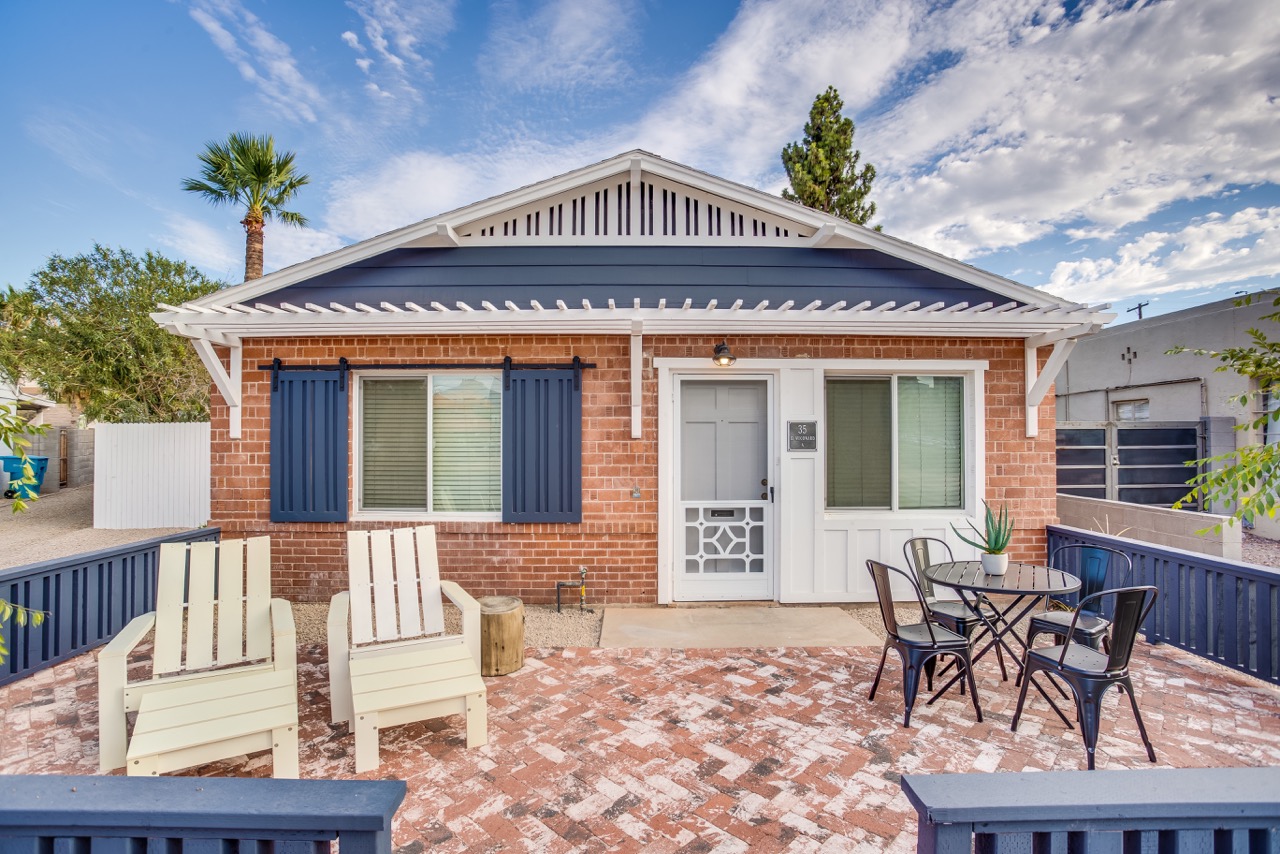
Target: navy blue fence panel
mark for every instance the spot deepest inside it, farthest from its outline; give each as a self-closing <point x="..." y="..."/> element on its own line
<point x="1223" y="610"/>
<point x="87" y="598"/>
<point x="196" y="814"/>
<point x="1165" y="809"/>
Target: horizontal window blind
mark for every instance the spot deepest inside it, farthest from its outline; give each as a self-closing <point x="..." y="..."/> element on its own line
<point x="394" y="444"/>
<point x="466" y="456"/>
<point x="859" y="443"/>
<point x="930" y="442"/>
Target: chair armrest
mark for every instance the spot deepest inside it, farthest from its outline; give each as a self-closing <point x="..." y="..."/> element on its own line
<point x="340" y="701"/>
<point x="470" y="615"/>
<point x="284" y="636"/>
<point x="113" y="675"/>
<point x="129" y="637"/>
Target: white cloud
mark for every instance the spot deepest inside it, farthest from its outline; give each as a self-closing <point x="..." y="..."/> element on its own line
<point x="260" y="57"/>
<point x="561" y="46"/>
<point x="212" y="250"/>
<point x="417" y="185"/>
<point x="396" y="31"/>
<point x="1215" y="250"/>
<point x="1107" y="120"/>
<point x="284" y="245"/>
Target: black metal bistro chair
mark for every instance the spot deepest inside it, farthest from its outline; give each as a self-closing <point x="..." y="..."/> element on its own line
<point x="1093" y="565"/>
<point x="1090" y="672"/>
<point x="916" y="643"/>
<point x="922" y="552"/>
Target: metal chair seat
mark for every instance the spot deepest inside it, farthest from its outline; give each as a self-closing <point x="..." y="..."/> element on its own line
<point x="1091" y="629"/>
<point x="934" y="635"/>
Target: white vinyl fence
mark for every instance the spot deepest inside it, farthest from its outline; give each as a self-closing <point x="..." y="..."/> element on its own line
<point x="151" y="475"/>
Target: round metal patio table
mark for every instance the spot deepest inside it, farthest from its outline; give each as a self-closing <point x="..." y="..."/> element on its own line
<point x="1027" y="583"/>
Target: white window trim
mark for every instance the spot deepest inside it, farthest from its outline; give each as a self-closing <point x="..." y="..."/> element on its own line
<point x="358" y="514"/>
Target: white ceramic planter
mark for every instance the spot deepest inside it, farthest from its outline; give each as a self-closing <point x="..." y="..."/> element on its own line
<point x="995" y="564"/>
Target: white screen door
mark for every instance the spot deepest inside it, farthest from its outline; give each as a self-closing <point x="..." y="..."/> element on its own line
<point x="725" y="514"/>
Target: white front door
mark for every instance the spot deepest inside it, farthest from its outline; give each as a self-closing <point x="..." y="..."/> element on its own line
<point x="724" y="507"/>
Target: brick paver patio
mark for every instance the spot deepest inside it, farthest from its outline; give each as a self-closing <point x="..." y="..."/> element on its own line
<point x="655" y="750"/>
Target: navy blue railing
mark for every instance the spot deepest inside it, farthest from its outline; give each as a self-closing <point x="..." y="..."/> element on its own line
<point x="1163" y="809"/>
<point x="196" y="814"/>
<point x="87" y="598"/>
<point x="1222" y="610"/>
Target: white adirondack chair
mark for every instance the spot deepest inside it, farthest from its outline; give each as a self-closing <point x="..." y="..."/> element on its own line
<point x="400" y="666"/>
<point x="224" y="668"/>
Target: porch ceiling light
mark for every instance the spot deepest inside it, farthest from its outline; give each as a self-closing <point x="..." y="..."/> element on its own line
<point x="722" y="355"/>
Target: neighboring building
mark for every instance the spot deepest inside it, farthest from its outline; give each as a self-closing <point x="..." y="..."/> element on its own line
<point x="68" y="446"/>
<point x="1124" y="379"/>
<point x="533" y="374"/>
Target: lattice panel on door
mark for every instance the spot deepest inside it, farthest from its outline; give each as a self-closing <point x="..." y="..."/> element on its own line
<point x="723" y="539"/>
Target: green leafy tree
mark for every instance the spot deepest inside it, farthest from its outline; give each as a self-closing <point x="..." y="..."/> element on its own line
<point x="824" y="169"/>
<point x="82" y="330"/>
<point x="246" y="170"/>
<point x="1248" y="477"/>
<point x="14" y="431"/>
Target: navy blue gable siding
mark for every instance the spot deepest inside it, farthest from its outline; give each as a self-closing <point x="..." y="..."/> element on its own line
<point x="522" y="274"/>
<point x="542" y="446"/>
<point x="309" y="446"/>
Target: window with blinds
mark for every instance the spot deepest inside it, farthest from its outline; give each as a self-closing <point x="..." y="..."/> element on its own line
<point x="862" y="443"/>
<point x="858" y="442"/>
<point x="466" y="444"/>
<point x="930" y="442"/>
<point x="432" y="442"/>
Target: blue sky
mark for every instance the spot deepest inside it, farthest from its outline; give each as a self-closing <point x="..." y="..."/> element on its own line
<point x="1111" y="152"/>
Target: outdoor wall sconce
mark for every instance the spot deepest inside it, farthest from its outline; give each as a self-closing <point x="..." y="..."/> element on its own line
<point x="722" y="355"/>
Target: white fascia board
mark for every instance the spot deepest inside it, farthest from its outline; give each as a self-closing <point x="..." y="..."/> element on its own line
<point x="861" y="237"/>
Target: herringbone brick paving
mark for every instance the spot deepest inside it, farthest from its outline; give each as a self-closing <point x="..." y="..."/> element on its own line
<point x="704" y="750"/>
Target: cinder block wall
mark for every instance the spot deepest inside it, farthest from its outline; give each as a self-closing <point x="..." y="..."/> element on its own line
<point x="1158" y="525"/>
<point x="79" y="456"/>
<point x="617" y="539"/>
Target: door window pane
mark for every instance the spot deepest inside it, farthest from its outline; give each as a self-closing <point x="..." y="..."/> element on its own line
<point x="858" y="442"/>
<point x="930" y="442"/>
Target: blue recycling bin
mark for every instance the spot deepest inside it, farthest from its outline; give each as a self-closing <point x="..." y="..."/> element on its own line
<point x="13" y="467"/>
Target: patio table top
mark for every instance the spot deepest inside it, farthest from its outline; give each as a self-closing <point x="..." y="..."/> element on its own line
<point x="700" y="750"/>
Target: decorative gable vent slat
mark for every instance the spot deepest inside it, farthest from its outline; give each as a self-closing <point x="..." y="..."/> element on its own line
<point x="615" y="208"/>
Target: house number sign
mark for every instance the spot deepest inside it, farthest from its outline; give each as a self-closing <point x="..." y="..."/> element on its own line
<point x="802" y="435"/>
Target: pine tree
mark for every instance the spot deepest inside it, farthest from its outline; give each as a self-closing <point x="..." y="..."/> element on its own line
<point x="823" y="168"/>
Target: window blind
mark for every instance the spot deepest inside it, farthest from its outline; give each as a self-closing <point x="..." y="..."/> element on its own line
<point x="466" y="454"/>
<point x="859" y="443"/>
<point x="394" y="439"/>
<point x="930" y="442"/>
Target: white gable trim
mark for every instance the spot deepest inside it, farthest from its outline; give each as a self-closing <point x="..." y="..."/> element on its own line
<point x="827" y="231"/>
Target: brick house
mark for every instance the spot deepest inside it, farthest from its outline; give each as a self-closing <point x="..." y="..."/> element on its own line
<point x="533" y="374"/>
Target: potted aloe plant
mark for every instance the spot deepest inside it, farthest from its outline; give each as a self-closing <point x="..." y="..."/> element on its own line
<point x="993" y="541"/>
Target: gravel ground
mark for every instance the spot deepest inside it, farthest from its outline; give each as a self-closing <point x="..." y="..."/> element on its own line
<point x="61" y="523"/>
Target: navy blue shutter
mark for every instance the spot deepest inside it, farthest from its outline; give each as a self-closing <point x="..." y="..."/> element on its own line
<point x="309" y="447"/>
<point x="542" y="447"/>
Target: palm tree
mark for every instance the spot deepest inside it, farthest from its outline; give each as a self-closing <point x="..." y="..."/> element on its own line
<point x="246" y="170"/>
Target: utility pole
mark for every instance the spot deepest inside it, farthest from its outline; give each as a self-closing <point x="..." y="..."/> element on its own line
<point x="1138" y="308"/>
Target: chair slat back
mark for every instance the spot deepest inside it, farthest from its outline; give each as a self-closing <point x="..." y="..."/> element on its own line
<point x="1095" y="566"/>
<point x="922" y="552"/>
<point x="257" y="597"/>
<point x="201" y="582"/>
<point x="213" y="592"/>
<point x="1132" y="604"/>
<point x="394" y="579"/>
<point x="884" y="595"/>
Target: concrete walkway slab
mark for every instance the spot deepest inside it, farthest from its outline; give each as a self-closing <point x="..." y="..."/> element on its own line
<point x="734" y="627"/>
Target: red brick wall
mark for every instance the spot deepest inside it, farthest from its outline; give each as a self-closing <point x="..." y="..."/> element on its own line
<point x="617" y="540"/>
